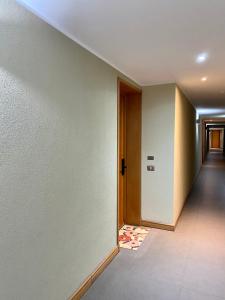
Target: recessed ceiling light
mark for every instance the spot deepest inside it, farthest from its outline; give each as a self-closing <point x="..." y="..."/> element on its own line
<point x="202" y="57"/>
<point x="204" y="78"/>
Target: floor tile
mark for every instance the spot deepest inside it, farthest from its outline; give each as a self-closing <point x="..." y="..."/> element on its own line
<point x="188" y="264"/>
<point x="193" y="295"/>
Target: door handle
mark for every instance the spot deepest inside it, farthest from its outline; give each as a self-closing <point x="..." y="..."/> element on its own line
<point x="123" y="166"/>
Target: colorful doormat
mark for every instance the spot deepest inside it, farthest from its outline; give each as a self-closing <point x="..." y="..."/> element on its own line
<point x="131" y="237"/>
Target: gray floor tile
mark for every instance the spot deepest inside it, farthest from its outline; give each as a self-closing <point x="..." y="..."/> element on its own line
<point x="193" y="295"/>
<point x="205" y="277"/>
<point x="188" y="264"/>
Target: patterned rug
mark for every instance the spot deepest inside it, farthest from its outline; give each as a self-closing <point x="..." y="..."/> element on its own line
<point x="131" y="237"/>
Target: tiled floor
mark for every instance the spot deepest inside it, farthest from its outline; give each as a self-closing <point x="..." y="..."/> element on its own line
<point x="188" y="264"/>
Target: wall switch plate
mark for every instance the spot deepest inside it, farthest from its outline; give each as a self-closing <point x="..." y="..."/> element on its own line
<point x="151" y="168"/>
<point x="150" y="157"/>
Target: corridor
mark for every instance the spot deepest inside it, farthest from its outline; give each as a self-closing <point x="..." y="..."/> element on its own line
<point x="188" y="264"/>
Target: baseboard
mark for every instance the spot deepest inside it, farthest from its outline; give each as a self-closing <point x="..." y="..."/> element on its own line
<point x="157" y="225"/>
<point x="91" y="278"/>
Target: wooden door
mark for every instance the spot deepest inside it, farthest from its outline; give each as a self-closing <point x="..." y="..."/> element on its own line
<point x="129" y="156"/>
<point x="133" y="159"/>
<point x="215" y="139"/>
<point x="122" y="156"/>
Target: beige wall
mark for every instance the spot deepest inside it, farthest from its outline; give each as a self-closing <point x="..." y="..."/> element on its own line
<point x="58" y="151"/>
<point x="168" y="133"/>
<point x="198" y="146"/>
<point x="158" y="114"/>
<point x="184" y="151"/>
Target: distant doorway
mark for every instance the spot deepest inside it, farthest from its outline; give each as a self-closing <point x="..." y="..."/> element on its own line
<point x="129" y="154"/>
<point x="215" y="139"/>
<point x="213" y="136"/>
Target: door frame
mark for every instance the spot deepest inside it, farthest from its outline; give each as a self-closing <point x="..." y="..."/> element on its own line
<point x="137" y="90"/>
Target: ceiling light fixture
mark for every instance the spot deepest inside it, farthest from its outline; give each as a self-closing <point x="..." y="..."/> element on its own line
<point x="202" y="57"/>
<point x="204" y="78"/>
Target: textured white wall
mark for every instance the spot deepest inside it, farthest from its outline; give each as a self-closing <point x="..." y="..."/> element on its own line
<point x="158" y="117"/>
<point x="58" y="131"/>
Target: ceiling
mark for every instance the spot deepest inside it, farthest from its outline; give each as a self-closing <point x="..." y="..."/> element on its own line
<point x="151" y="41"/>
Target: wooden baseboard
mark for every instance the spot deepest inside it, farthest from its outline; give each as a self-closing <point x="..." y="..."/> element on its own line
<point x="157" y="225"/>
<point x="91" y="278"/>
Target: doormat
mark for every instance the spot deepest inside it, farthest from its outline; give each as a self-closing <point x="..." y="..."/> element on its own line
<point x="131" y="237"/>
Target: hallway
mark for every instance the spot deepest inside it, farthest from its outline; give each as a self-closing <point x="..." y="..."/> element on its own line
<point x="188" y="264"/>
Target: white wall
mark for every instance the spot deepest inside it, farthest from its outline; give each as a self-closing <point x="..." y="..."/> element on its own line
<point x="158" y="117"/>
<point x="58" y="149"/>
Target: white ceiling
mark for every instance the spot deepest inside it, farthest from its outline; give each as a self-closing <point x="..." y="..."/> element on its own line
<point x="151" y="41"/>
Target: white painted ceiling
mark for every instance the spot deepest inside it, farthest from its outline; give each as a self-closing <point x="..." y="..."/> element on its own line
<point x="151" y="41"/>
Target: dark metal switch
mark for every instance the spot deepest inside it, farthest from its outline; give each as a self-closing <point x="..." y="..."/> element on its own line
<point x="151" y="168"/>
<point x="150" y="157"/>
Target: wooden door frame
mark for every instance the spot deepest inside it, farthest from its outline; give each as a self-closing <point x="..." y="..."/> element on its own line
<point x="138" y="91"/>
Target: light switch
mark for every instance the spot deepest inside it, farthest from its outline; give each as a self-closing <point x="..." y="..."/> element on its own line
<point x="150" y="157"/>
<point x="151" y="168"/>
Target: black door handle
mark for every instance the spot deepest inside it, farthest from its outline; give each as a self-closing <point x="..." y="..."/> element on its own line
<point x="123" y="166"/>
